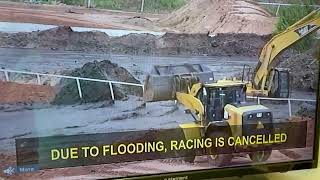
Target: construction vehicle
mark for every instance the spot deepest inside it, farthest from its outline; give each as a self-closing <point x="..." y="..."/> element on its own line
<point x="219" y="108"/>
<point x="267" y="80"/>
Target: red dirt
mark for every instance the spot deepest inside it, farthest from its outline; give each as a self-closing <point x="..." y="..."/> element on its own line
<point x="64" y="15"/>
<point x="220" y="16"/>
<point x="198" y="16"/>
<point x="11" y="93"/>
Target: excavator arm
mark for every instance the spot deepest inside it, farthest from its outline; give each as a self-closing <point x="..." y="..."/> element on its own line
<point x="192" y="103"/>
<point x="280" y="42"/>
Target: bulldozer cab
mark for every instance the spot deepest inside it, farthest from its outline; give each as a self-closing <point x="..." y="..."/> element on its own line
<point x="215" y="96"/>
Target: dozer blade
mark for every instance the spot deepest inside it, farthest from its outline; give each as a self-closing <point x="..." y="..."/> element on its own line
<point x="164" y="81"/>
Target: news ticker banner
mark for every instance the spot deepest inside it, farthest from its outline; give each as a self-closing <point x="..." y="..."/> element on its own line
<point x="115" y="147"/>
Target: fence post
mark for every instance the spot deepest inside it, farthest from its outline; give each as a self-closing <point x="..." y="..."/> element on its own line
<point x="79" y="88"/>
<point x="258" y="100"/>
<point x="142" y="5"/>
<point x="6" y="75"/>
<point x="38" y="79"/>
<point x="289" y="104"/>
<point x="278" y="9"/>
<point x="111" y="91"/>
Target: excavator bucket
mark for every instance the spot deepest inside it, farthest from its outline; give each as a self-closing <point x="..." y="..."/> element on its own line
<point x="164" y="81"/>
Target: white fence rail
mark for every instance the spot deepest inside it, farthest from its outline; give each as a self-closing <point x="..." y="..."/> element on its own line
<point x="289" y="100"/>
<point x="77" y="79"/>
<point x="278" y="5"/>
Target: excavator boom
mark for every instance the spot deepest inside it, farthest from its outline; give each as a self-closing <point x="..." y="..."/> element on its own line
<point x="279" y="43"/>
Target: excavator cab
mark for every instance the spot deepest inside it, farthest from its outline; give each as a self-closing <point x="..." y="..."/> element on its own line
<point x="277" y="86"/>
<point x="280" y="86"/>
<point x="268" y="80"/>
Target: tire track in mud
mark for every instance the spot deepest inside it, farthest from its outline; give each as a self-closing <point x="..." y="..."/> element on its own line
<point x="61" y="18"/>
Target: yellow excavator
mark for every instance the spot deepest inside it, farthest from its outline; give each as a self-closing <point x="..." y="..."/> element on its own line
<point x="275" y="82"/>
<point x="219" y="108"/>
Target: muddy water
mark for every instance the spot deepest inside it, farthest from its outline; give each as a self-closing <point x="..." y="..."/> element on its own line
<point x="78" y="119"/>
<point x="55" y="62"/>
<point x="57" y="120"/>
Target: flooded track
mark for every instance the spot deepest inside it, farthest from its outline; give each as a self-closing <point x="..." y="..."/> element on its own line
<point x="55" y="62"/>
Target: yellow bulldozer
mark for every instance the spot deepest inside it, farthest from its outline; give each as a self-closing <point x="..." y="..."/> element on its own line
<point x="219" y="107"/>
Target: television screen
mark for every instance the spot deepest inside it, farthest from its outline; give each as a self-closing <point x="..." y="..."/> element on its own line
<point x="170" y="89"/>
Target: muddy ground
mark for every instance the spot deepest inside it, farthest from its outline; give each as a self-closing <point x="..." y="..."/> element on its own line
<point x="63" y="38"/>
<point x="213" y="16"/>
<point x="58" y="51"/>
<point x="72" y="16"/>
<point x="129" y="114"/>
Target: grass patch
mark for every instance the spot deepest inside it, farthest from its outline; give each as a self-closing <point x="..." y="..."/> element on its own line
<point x="130" y="5"/>
<point x="163" y="5"/>
<point x="152" y="6"/>
<point x="290" y="15"/>
<point x="135" y="5"/>
<point x="73" y="2"/>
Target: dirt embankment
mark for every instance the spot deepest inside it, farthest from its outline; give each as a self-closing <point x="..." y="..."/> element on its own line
<point x="66" y="91"/>
<point x="63" y="38"/>
<point x="67" y="15"/>
<point x="12" y="93"/>
<point x="197" y="16"/>
<point x="220" y="16"/>
<point x="97" y="91"/>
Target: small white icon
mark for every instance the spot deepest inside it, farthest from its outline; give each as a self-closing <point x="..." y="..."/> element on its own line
<point x="9" y="170"/>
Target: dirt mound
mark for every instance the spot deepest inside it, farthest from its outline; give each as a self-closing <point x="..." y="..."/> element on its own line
<point x="219" y="45"/>
<point x="304" y="70"/>
<point x="12" y="93"/>
<point x="64" y="39"/>
<point x="97" y="91"/>
<point x="220" y="16"/>
<point x="60" y="38"/>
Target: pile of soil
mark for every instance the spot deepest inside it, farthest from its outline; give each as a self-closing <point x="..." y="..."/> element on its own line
<point x="64" y="39"/>
<point x="304" y="69"/>
<point x="60" y="38"/>
<point x="13" y="93"/>
<point x="219" y="45"/>
<point x="220" y="16"/>
<point x="97" y="91"/>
